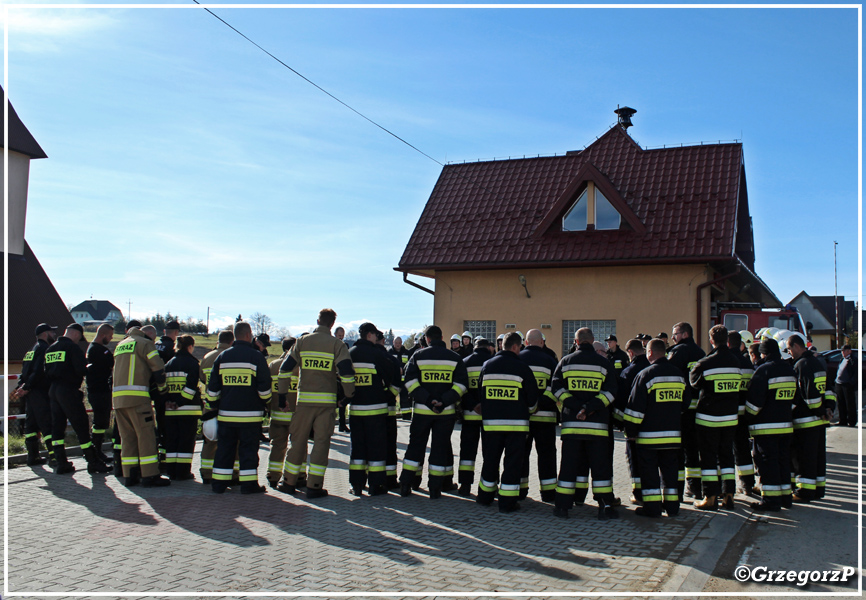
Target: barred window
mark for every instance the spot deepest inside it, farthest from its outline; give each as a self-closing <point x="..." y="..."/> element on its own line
<point x="486" y="329"/>
<point x="601" y="329"/>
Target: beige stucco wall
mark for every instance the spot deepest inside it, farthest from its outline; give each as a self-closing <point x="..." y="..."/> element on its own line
<point x="644" y="299"/>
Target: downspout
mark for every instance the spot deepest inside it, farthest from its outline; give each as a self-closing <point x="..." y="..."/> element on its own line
<point x="700" y="303"/>
<point x="417" y="285"/>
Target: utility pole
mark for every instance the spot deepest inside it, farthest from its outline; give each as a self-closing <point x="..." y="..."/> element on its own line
<point x="836" y="297"/>
<point x="129" y="312"/>
<point x="207" y="326"/>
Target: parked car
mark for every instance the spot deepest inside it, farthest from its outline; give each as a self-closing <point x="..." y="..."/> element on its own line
<point x="833" y="358"/>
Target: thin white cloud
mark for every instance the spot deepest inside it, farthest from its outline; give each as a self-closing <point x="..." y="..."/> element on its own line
<point x="39" y="29"/>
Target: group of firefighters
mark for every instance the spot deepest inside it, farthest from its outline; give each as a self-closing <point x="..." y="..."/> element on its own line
<point x="693" y="423"/>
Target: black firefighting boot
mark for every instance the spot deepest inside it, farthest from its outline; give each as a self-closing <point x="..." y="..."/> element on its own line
<point x="606" y="511"/>
<point x="98" y="439"/>
<point x="52" y="462"/>
<point x="94" y="464"/>
<point x="118" y="467"/>
<point x="33" y="457"/>
<point x="155" y="481"/>
<point x="63" y="464"/>
<point x="134" y="477"/>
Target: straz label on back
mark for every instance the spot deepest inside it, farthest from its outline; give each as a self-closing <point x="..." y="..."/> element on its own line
<point x="125" y="348"/>
<point x="725" y="386"/>
<point x="435" y="376"/>
<point x="495" y="392"/>
<point x="317" y="363"/>
<point x="363" y="379"/>
<point x="55" y="357"/>
<point x="585" y="383"/>
<point x="787" y="392"/>
<point x="236" y="378"/>
<point x="670" y="395"/>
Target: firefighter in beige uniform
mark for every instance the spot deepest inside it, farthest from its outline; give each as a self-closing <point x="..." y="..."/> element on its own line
<point x="324" y="361"/>
<point x="208" y="448"/>
<point x="135" y="360"/>
<point x="281" y="418"/>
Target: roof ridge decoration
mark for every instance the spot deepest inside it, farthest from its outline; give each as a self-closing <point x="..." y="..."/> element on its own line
<point x="588" y="172"/>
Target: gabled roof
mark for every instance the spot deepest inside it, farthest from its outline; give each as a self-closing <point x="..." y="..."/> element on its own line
<point x="98" y="309"/>
<point x="32" y="300"/>
<point x="20" y="139"/>
<point x="681" y="205"/>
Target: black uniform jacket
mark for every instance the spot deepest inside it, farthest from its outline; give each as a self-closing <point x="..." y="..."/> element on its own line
<point x="655" y="405"/>
<point x="100" y="364"/>
<point x="542" y="367"/>
<point x="240" y="385"/>
<point x="685" y="355"/>
<point x="625" y="383"/>
<point x="374" y="376"/>
<point x="585" y="380"/>
<point x="772" y="395"/>
<point x="509" y="393"/>
<point x="472" y="398"/>
<point x="33" y="368"/>
<point x="717" y="377"/>
<point x="436" y="373"/>
<point x="65" y="362"/>
<point x="811" y="383"/>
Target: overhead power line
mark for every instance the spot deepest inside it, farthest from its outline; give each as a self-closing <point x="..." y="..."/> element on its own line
<point x="317" y="86"/>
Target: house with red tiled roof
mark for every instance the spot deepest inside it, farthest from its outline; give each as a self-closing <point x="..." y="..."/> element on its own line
<point x="616" y="237"/>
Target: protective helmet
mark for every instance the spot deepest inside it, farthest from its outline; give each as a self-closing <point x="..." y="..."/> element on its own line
<point x="477" y="337"/>
<point x="543" y="337"/>
<point x="209" y="429"/>
<point x="501" y="336"/>
<point x="520" y="333"/>
<point x="746" y="336"/>
<point x="467" y="334"/>
<point x="759" y="335"/>
<point x="769" y="332"/>
<point x="455" y="337"/>
<point x="781" y="338"/>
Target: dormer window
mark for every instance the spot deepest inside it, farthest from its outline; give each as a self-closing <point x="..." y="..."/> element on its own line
<point x="591" y="211"/>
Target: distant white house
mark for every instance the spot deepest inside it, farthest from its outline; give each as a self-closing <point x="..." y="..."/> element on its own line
<point x="96" y="311"/>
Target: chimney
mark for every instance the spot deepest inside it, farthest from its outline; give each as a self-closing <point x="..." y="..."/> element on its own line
<point x="624" y="115"/>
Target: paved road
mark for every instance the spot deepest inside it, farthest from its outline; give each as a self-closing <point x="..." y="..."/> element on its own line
<point x="185" y="539"/>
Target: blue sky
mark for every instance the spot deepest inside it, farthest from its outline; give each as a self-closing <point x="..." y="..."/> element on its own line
<point x="187" y="169"/>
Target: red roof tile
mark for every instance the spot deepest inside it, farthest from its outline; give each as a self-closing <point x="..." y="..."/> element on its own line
<point x="685" y="198"/>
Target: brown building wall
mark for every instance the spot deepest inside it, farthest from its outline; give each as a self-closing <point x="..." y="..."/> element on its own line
<point x="642" y="299"/>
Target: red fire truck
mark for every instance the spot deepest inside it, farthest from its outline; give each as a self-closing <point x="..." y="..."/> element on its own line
<point x="752" y="316"/>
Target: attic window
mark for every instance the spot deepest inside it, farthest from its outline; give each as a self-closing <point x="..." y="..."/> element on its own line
<point x="591" y="211"/>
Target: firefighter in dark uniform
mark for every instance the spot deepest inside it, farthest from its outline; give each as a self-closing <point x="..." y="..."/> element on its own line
<point x="811" y="417"/>
<point x="182" y="409"/>
<point x="238" y="393"/>
<point x="436" y="380"/>
<point x="772" y="393"/>
<point x="165" y="348"/>
<point x="717" y="378"/>
<point x="390" y="394"/>
<point x="742" y="447"/>
<point x="470" y="429"/>
<point x="585" y="384"/>
<point x="638" y="363"/>
<point x="542" y="423"/>
<point x="33" y="387"/>
<point x="100" y="364"/>
<point x="617" y="357"/>
<point x="208" y="447"/>
<point x="65" y="367"/>
<point x="399" y="351"/>
<point x="509" y="393"/>
<point x="652" y="418"/>
<point x="684" y="355"/>
<point x="368" y="413"/>
<point x="466" y="345"/>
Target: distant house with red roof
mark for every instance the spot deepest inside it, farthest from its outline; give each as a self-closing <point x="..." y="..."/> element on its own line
<point x="616" y="237"/>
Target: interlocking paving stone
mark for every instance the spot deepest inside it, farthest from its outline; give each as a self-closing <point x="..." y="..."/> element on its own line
<point x="189" y="539"/>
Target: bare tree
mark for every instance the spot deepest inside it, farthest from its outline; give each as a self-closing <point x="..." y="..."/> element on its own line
<point x="262" y="323"/>
<point x="281" y="333"/>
